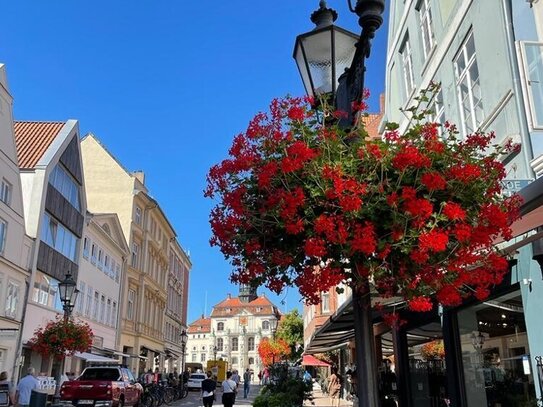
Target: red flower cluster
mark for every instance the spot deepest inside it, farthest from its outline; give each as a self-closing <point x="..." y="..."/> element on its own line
<point x="62" y="337"/>
<point x="310" y="204"/>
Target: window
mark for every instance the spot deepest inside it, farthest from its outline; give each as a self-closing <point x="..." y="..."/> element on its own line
<point x="3" y="233"/>
<point x="86" y="244"/>
<point x="325" y="301"/>
<point x="425" y="21"/>
<point x="106" y="265"/>
<point x="234" y="360"/>
<point x="407" y="63"/>
<point x="137" y="215"/>
<point x="135" y="250"/>
<point x="532" y="54"/>
<point x="468" y="86"/>
<point x="100" y="259"/>
<point x="81" y="298"/>
<point x="108" y="313"/>
<point x="194" y="356"/>
<point x="88" y="305"/>
<point x="55" y="235"/>
<point x="12" y="300"/>
<point x="45" y="291"/>
<point x="203" y="357"/>
<point x="96" y="306"/>
<point x="117" y="272"/>
<point x="5" y="192"/>
<point x="130" y="307"/>
<point x="103" y="309"/>
<point x="220" y="344"/>
<point x="220" y="326"/>
<point x="251" y="361"/>
<point x="234" y="344"/>
<point x="64" y="183"/>
<point x="265" y="325"/>
<point x="251" y="343"/>
<point x="93" y="254"/>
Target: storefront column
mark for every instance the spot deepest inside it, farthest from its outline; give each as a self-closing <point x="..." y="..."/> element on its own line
<point x="401" y="362"/>
<point x="453" y="358"/>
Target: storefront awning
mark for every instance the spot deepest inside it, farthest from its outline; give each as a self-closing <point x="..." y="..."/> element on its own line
<point x="92" y="358"/>
<point x="309" y="360"/>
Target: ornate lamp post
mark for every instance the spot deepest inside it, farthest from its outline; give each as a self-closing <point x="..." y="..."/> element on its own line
<point x="215" y="349"/>
<point x="68" y="296"/>
<point x="321" y="55"/>
<point x="184" y="339"/>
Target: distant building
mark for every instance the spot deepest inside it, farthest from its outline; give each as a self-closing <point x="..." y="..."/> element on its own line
<point x="152" y="315"/>
<point x="233" y="331"/>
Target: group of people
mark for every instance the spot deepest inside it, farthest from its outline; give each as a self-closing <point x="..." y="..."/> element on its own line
<point x="229" y="388"/>
<point x="21" y="394"/>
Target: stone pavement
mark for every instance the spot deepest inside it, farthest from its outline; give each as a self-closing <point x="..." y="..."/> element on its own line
<point x="322" y="400"/>
<point x="194" y="398"/>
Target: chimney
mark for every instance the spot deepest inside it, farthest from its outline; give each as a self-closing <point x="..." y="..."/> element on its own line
<point x="382" y="103"/>
<point x="140" y="176"/>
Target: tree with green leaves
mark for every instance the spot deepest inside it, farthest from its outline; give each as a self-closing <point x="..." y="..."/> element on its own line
<point x="291" y="330"/>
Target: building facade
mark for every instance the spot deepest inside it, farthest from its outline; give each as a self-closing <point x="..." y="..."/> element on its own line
<point x="112" y="189"/>
<point x="55" y="206"/>
<point x="233" y="331"/>
<point x="15" y="245"/>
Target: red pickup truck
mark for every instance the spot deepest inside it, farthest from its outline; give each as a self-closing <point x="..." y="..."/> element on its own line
<point x="105" y="386"/>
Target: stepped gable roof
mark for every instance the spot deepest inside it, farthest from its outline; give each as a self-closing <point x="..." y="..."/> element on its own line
<point x="32" y="140"/>
<point x="201" y="325"/>
<point x="232" y="306"/>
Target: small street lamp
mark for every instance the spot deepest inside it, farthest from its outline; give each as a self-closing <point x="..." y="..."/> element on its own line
<point x="68" y="295"/>
<point x="215" y="349"/>
<point x="321" y="54"/>
<point x="331" y="60"/>
<point x="184" y="339"/>
<point x="273" y="327"/>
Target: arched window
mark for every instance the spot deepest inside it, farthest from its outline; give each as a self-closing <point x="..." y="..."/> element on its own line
<point x="251" y="343"/>
<point x="251" y="361"/>
<point x="220" y="326"/>
<point x="220" y="344"/>
<point x="265" y="325"/>
<point x="234" y="344"/>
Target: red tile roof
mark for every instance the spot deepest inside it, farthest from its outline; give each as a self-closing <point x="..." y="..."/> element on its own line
<point x="233" y="305"/>
<point x="202" y="325"/>
<point x="32" y="140"/>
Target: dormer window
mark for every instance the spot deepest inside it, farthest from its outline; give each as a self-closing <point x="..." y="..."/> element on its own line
<point x="220" y="326"/>
<point x="259" y="309"/>
<point x="265" y="325"/>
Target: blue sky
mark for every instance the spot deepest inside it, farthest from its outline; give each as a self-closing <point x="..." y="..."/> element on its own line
<point x="166" y="85"/>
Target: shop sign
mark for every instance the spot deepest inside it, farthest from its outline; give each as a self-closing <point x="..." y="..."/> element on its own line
<point x="512" y="186"/>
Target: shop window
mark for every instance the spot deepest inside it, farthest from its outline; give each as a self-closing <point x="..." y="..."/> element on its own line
<point x="496" y="353"/>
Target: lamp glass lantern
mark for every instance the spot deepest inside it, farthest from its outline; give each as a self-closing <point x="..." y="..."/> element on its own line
<point x="68" y="291"/>
<point x="322" y="55"/>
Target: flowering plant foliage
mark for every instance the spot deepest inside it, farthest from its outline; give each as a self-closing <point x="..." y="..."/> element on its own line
<point x="62" y="337"/>
<point x="310" y="204"/>
<point x="273" y="350"/>
<point x="433" y="350"/>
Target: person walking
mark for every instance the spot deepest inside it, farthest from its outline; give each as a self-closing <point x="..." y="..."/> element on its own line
<point x="229" y="390"/>
<point x="7" y="387"/>
<point x="334" y="387"/>
<point x="208" y="390"/>
<point x="246" y="382"/>
<point x="25" y="387"/>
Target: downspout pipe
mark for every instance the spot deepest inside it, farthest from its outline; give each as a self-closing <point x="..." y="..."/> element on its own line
<point x="526" y="147"/>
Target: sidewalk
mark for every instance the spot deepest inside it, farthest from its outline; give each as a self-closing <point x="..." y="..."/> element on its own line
<point x="322" y="400"/>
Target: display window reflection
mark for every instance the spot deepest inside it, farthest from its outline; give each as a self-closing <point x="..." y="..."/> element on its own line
<point x="495" y="353"/>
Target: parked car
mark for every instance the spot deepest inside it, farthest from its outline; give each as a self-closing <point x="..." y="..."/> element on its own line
<point x="195" y="380"/>
<point x="103" y="386"/>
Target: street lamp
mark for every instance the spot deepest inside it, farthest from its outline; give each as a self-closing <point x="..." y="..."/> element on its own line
<point x="68" y="295"/>
<point x="215" y="349"/>
<point x="273" y="327"/>
<point x="321" y="54"/>
<point x="331" y="60"/>
<point x="184" y="339"/>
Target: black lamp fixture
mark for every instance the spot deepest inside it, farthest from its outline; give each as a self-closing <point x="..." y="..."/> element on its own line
<point x="477" y="340"/>
<point x="68" y="294"/>
<point x="331" y="60"/>
<point x="184" y="339"/>
<point x="273" y="327"/>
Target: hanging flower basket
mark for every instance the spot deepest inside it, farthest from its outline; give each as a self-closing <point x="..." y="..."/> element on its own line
<point x="434" y="350"/>
<point x="62" y="337"/>
<point x="301" y="201"/>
